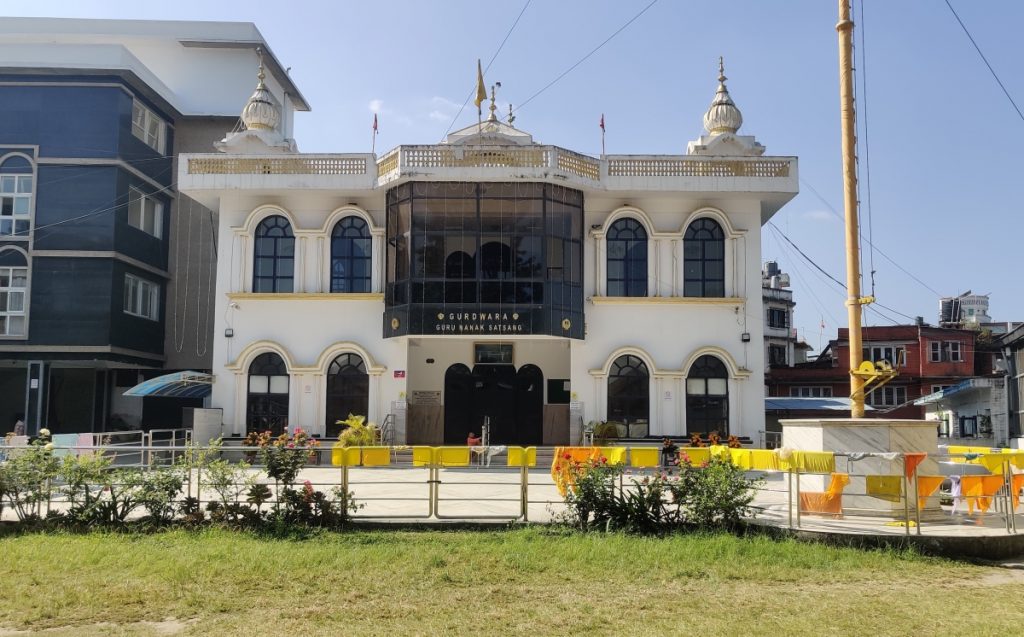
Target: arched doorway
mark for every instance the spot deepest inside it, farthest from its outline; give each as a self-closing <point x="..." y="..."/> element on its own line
<point x="458" y="396"/>
<point x="707" y="397"/>
<point x="348" y="391"/>
<point x="267" y="400"/>
<point x="529" y="405"/>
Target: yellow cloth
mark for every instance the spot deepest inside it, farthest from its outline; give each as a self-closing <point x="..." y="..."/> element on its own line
<point x="562" y="465"/>
<point x="719" y="451"/>
<point x="344" y="456"/>
<point x="814" y="461"/>
<point x="974" y="486"/>
<point x="376" y="456"/>
<point x="614" y="455"/>
<point x="926" y="487"/>
<point x="885" y="487"/>
<point x="764" y="460"/>
<point x="644" y="456"/>
<point x="422" y="456"/>
<point x="741" y="458"/>
<point x="993" y="462"/>
<point x="522" y="456"/>
<point x="453" y="456"/>
<point x="697" y="455"/>
<point x="1016" y="486"/>
<point x="828" y="502"/>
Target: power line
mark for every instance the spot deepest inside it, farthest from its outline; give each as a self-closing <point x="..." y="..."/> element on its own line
<point x="584" y="58"/>
<point x="867" y="146"/>
<point x="985" y="60"/>
<point x="493" y="57"/>
<point x="832" y="209"/>
<point x="832" y="278"/>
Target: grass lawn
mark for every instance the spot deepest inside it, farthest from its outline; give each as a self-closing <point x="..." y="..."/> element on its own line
<point x="529" y="581"/>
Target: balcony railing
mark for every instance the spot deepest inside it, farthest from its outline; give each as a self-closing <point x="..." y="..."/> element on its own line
<point x="302" y="165"/>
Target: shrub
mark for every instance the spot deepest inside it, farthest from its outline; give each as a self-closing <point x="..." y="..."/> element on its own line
<point x="285" y="456"/>
<point x="357" y="432"/>
<point x="157" y="490"/>
<point x="27" y="475"/>
<point x="714" y="494"/>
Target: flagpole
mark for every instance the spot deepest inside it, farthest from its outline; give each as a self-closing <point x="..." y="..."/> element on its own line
<point x="602" y="135"/>
<point x="373" y="143"/>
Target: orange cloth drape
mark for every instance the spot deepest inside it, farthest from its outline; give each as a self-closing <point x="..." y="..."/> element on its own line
<point x="979" y="489"/>
<point x="912" y="460"/>
<point x="926" y="487"/>
<point x="561" y="466"/>
<point x="1018" y="484"/>
<point x="828" y="502"/>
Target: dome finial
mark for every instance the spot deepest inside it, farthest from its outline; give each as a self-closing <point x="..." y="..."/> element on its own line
<point x="722" y="115"/>
<point x="260" y="112"/>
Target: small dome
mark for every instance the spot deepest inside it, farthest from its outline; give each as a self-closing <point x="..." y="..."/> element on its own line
<point x="722" y="115"/>
<point x="260" y="112"/>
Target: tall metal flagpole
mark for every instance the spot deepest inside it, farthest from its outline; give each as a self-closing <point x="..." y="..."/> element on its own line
<point x="849" y="122"/>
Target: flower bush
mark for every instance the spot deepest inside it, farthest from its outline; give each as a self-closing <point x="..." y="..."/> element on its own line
<point x="27" y="476"/>
<point x="598" y="495"/>
<point x="285" y="456"/>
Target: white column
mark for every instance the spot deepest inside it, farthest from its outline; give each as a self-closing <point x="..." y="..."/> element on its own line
<point x="244" y="281"/>
<point x="377" y="262"/>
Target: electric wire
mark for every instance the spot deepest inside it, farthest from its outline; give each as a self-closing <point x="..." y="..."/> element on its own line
<point x="867" y="146"/>
<point x="985" y="60"/>
<point x="493" y="57"/>
<point x="585" y="57"/>
<point x="832" y="209"/>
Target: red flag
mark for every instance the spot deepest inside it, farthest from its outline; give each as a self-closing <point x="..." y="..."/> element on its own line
<point x="375" y="122"/>
<point x="602" y="122"/>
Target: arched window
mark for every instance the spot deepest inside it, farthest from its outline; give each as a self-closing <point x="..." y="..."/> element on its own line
<point x="351" y="256"/>
<point x="348" y="391"/>
<point x="13" y="293"/>
<point x="267" y="404"/>
<point x="629" y="397"/>
<point x="15" y="196"/>
<point x="627" y="258"/>
<point x="704" y="259"/>
<point x="274" y="265"/>
<point x="707" y="397"/>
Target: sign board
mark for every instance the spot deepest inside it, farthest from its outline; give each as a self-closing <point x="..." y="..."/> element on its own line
<point x="426" y="398"/>
<point x="399" y="373"/>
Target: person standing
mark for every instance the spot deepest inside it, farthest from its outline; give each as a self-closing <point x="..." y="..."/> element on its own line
<point x="19" y="424"/>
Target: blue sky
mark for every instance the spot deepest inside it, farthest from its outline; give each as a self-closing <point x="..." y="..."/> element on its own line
<point x="943" y="139"/>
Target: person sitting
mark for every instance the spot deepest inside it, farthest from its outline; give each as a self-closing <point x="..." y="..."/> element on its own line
<point x="473" y="440"/>
<point x="669" y="453"/>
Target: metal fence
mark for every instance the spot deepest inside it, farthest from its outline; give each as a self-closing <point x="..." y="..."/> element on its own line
<point x="877" y="493"/>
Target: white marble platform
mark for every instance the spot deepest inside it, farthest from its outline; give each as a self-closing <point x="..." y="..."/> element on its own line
<point x="875" y="435"/>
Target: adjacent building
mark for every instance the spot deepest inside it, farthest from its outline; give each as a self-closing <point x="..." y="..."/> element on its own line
<point x="490" y="280"/>
<point x="106" y="270"/>
<point x="928" y="359"/>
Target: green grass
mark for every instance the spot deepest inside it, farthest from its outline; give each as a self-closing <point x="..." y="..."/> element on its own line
<point x="528" y="581"/>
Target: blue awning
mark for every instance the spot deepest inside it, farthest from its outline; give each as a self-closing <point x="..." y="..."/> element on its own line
<point x="176" y="385"/>
<point x="792" y="403"/>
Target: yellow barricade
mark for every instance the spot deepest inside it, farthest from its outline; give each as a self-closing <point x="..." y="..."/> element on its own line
<point x="422" y="456"/>
<point x="522" y="456"/>
<point x="614" y="455"/>
<point x="344" y="456"/>
<point x="376" y="456"/>
<point x="452" y="456"/>
<point x="644" y="456"/>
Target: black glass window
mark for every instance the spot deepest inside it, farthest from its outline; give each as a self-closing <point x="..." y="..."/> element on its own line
<point x="627" y="258"/>
<point x="629" y="397"/>
<point x="704" y="259"/>
<point x="274" y="256"/>
<point x="348" y="391"/>
<point x="351" y="250"/>
<point x="707" y="397"/>
<point x="513" y="250"/>
<point x="267" y="404"/>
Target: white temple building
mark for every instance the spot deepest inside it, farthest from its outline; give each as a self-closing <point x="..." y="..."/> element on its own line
<point x="489" y="279"/>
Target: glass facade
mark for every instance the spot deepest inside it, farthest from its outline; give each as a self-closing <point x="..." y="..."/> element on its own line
<point x="484" y="259"/>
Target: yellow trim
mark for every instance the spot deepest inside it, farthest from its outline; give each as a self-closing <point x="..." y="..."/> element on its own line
<point x="666" y="300"/>
<point x="298" y="296"/>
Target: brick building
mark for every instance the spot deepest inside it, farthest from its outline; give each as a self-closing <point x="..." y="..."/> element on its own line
<point x="927" y="358"/>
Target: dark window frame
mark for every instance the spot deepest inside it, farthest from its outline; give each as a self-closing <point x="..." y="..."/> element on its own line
<point x="703" y="236"/>
<point x="351" y="234"/>
<point x="626" y="249"/>
<point x="707" y="411"/>
<point x="348" y="384"/>
<point x="629" y="390"/>
<point x="278" y="230"/>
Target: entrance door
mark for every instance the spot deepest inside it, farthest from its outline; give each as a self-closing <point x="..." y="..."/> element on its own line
<point x="513" y="403"/>
<point x="494" y="401"/>
<point x="458" y="401"/>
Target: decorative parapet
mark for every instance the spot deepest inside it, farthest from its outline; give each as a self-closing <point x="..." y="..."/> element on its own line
<point x="680" y="167"/>
<point x="304" y="165"/>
